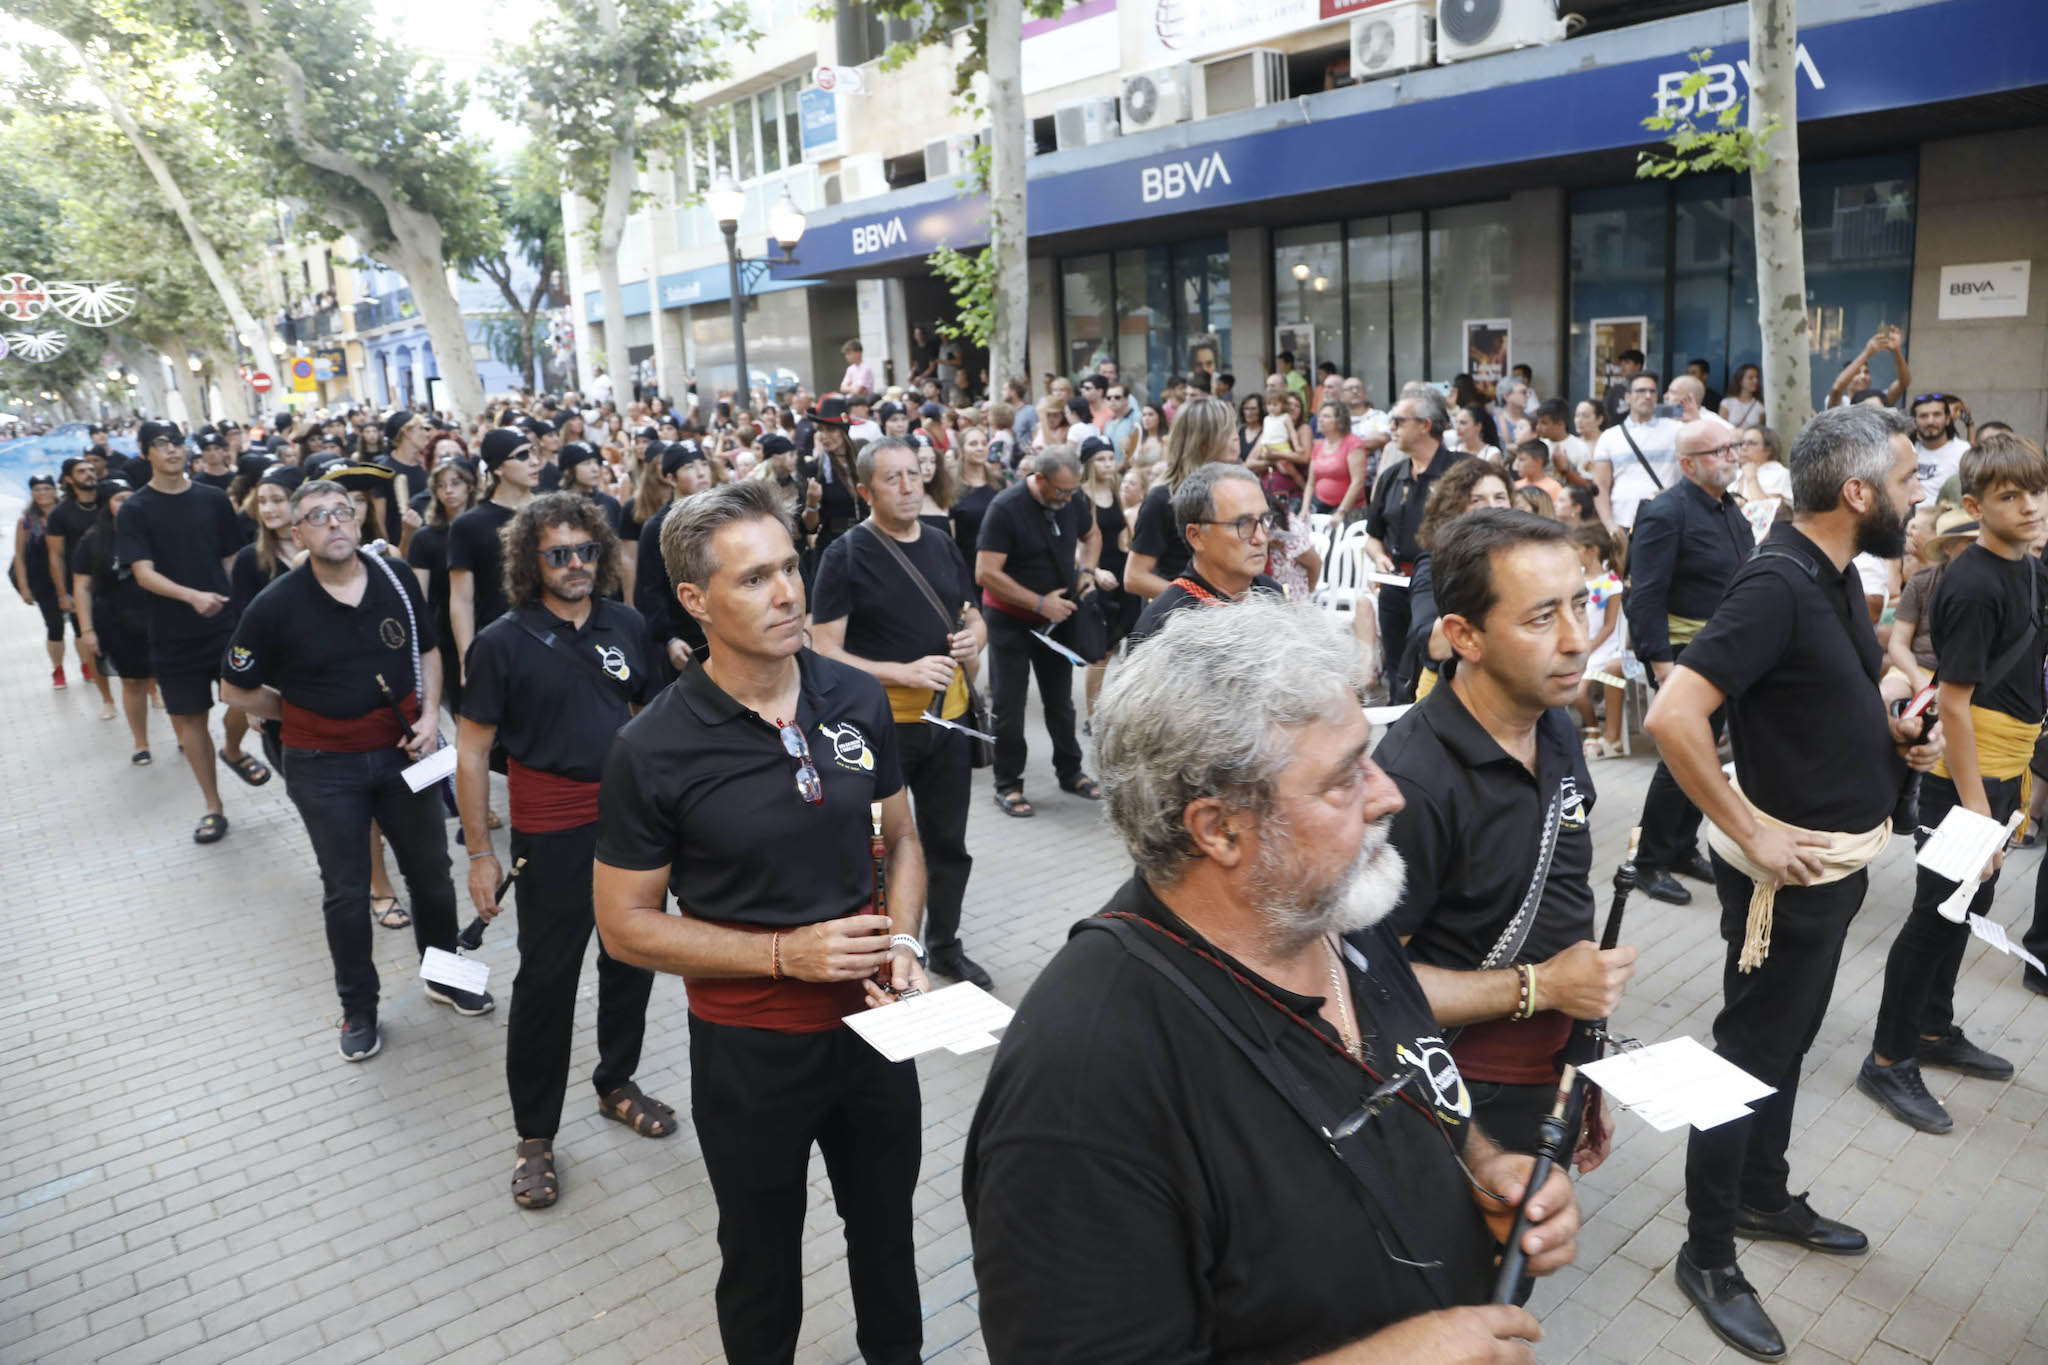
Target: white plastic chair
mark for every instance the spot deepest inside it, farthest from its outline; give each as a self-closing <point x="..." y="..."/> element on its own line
<point x="1344" y="575"/>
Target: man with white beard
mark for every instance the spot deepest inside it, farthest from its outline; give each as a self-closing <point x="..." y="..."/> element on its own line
<point x="1495" y="826"/>
<point x="1149" y="1174"/>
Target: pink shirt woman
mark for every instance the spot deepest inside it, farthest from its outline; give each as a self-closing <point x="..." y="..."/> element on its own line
<point x="1331" y="466"/>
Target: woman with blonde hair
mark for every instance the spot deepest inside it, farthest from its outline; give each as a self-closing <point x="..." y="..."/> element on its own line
<point x="1203" y="432"/>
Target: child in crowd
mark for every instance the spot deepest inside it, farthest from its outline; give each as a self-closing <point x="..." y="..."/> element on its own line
<point x="1602" y="558"/>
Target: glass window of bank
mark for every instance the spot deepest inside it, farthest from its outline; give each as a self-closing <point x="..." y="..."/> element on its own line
<point x="1157" y="311"/>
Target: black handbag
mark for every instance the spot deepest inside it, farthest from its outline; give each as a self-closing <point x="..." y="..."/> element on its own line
<point x="981" y="752"/>
<point x="1086" y="629"/>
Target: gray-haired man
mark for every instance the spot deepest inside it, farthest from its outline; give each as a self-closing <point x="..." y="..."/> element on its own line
<point x="1222" y="513"/>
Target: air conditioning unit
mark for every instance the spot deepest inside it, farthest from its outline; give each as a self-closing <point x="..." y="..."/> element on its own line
<point x="1475" y="28"/>
<point x="858" y="177"/>
<point x="945" y="158"/>
<point x="1086" y="122"/>
<point x="1393" y="37"/>
<point x="1243" y="80"/>
<point x="1153" y="99"/>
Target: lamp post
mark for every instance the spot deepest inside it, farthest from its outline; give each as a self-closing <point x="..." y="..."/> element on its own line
<point x="728" y="201"/>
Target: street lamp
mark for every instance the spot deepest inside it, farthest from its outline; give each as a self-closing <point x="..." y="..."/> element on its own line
<point x="728" y="201"/>
<point x="194" y="364"/>
<point x="786" y="224"/>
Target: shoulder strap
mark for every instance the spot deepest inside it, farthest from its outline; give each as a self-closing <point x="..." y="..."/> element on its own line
<point x="1381" y="1194"/>
<point x="1517" y="931"/>
<point x="2010" y="657"/>
<point x="1638" y="452"/>
<point x="903" y="562"/>
<point x="555" y="642"/>
<point x="374" y="552"/>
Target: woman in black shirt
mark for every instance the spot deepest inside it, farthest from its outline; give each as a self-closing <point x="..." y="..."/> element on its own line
<point x="454" y="492"/>
<point x="113" y="614"/>
<point x="980" y="481"/>
<point x="1099" y="480"/>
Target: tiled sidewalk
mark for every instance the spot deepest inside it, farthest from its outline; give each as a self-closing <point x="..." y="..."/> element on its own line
<point x="189" y="1173"/>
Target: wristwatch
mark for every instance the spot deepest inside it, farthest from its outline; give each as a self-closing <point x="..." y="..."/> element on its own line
<point x="906" y="941"/>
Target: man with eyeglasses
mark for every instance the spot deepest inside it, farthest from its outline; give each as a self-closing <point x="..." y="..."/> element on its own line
<point x="1687" y="544"/>
<point x="746" y="789"/>
<point x="1393" y="518"/>
<point x="553" y="679"/>
<point x="342" y="652"/>
<point x="1223" y="515"/>
<point x="1634" y="460"/>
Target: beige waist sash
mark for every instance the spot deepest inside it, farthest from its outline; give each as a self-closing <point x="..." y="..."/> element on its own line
<point x="1844" y="855"/>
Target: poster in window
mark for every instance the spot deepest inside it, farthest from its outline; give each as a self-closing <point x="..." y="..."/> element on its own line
<point x="1609" y="338"/>
<point x="1205" y="353"/>
<point x="1486" y="352"/>
<point x="1298" y="338"/>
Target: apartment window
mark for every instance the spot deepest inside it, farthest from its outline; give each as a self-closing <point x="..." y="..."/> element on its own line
<point x="768" y="107"/>
<point x="743" y="137"/>
<point x="792" y="123"/>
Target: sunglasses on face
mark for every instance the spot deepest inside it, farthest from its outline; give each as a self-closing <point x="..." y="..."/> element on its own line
<point x="562" y="556"/>
<point x="808" y="784"/>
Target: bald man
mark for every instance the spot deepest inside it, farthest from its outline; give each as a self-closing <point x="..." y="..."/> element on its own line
<point x="1687" y="543"/>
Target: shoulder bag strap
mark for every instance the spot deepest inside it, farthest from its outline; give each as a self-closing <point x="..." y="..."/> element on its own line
<point x="1638" y="452"/>
<point x="1517" y="932"/>
<point x="903" y="562"/>
<point x="374" y="552"/>
<point x="1380" y="1192"/>
<point x="561" y="646"/>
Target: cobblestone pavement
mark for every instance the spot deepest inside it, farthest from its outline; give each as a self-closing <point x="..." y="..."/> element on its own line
<point x="189" y="1173"/>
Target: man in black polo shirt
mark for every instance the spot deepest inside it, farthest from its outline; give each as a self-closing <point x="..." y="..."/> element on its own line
<point x="1791" y="653"/>
<point x="553" y="679"/>
<point x="1492" y="772"/>
<point x="335" y="651"/>
<point x="1222" y="514"/>
<point x="745" y="788"/>
<point x="1686" y="545"/>
<point x="872" y="613"/>
<point x="1147" y="1177"/>
<point x="178" y="538"/>
<point x="1034" y="561"/>
<point x="476" y="550"/>
<point x="1394" y="514"/>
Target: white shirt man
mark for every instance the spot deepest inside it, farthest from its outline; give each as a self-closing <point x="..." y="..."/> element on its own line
<point x="1622" y="478"/>
<point x="1368" y="423"/>
<point x="1936" y="446"/>
<point x="601" y="388"/>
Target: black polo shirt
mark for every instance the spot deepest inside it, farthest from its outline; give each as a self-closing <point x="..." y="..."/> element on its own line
<point x="1177" y="598"/>
<point x="188" y="537"/>
<point x="1792" y="648"/>
<point x="887" y="617"/>
<point x="1983" y="604"/>
<point x="1157" y="533"/>
<point x="1683" y="550"/>
<point x="703" y="786"/>
<point x="323" y="655"/>
<point x="1137" y="1191"/>
<point x="1037" y="541"/>
<point x="557" y="706"/>
<point x="1394" y="514"/>
<point x="475" y="544"/>
<point x="1471" y="831"/>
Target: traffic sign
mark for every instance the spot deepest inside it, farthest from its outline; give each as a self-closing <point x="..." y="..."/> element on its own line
<point x="302" y="375"/>
<point x="260" y="382"/>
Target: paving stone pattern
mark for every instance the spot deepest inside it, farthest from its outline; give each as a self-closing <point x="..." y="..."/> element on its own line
<point x="188" y="1171"/>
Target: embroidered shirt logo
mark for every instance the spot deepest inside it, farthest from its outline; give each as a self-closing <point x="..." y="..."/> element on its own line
<point x="239" y="658"/>
<point x="391" y="633"/>
<point x="1571" y="805"/>
<point x="613" y="660"/>
<point x="1434" y="1061"/>
<point x="849" y="747"/>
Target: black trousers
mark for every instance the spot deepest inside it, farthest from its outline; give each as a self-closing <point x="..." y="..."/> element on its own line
<point x="1394" y="641"/>
<point x="2035" y="940"/>
<point x="1512" y="1115"/>
<point x="938" y="767"/>
<point x="760" y="1099"/>
<point x="1920" y="972"/>
<point x="1013" y="658"/>
<point x="337" y="796"/>
<point x="1671" y="822"/>
<point x="555" y="924"/>
<point x="1768" y="1020"/>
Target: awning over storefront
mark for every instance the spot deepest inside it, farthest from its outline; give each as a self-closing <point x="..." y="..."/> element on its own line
<point x="1584" y="96"/>
<point x="708" y="284"/>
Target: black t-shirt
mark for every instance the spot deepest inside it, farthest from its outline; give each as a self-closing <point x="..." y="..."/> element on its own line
<point x="1177" y="598"/>
<point x="417" y="481"/>
<point x="613" y="513"/>
<point x="1981" y="610"/>
<point x="246" y="579"/>
<point x="553" y="712"/>
<point x="1038" y="542"/>
<point x="703" y="786"/>
<point x="1157" y="534"/>
<point x="113" y="591"/>
<point x="1137" y="1191"/>
<point x="1109" y="524"/>
<point x="325" y="656"/>
<point x="474" y="545"/>
<point x="887" y="617"/>
<point x="70" y="520"/>
<point x="429" y="551"/>
<point x="968" y="510"/>
<point x="1792" y="648"/>
<point x="221" y="480"/>
<point x="1471" y="832"/>
<point x="188" y="537"/>
<point x="654" y="596"/>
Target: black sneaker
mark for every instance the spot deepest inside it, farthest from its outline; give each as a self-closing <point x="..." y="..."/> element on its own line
<point x="464" y="1002"/>
<point x="1902" y="1094"/>
<point x="1695" y="865"/>
<point x="1660" y="885"/>
<point x="951" y="961"/>
<point x="1953" y="1052"/>
<point x="360" y="1040"/>
<point x="2035" y="982"/>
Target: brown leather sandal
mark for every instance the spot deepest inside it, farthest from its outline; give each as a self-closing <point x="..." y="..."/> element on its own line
<point x="642" y="1113"/>
<point x="534" y="1182"/>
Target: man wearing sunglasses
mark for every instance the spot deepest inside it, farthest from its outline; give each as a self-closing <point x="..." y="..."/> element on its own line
<point x="745" y="788"/>
<point x="340" y="651"/>
<point x="553" y="679"/>
<point x="1223" y="515"/>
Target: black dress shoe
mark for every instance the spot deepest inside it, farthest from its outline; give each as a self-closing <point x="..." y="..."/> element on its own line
<point x="2035" y="982"/>
<point x="1729" y="1306"/>
<point x="1660" y="885"/>
<point x="958" y="965"/>
<point x="1953" y="1052"/>
<point x="1797" y="1222"/>
<point x="1899" y="1089"/>
<point x="1695" y="865"/>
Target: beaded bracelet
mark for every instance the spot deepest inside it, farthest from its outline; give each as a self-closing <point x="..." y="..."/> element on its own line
<point x="1525" y="992"/>
<point x="775" y="957"/>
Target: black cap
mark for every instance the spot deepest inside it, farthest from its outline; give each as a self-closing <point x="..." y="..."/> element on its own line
<point x="252" y="465"/>
<point x="151" y="432"/>
<point x="114" y="483"/>
<point x="285" y="476"/>
<point x="95" y="431"/>
<point x="649" y="432"/>
<point x="775" y="443"/>
<point x="70" y="463"/>
<point x="676" y="454"/>
<point x="210" y="437"/>
<point x="888" y="410"/>
<point x="932" y="410"/>
<point x="1092" y="446"/>
<point x="227" y="424"/>
<point x="41" y="481"/>
<point x="501" y="444"/>
<point x="396" y="422"/>
<point x="318" y="465"/>
<point x="576" y="452"/>
<point x="535" y="426"/>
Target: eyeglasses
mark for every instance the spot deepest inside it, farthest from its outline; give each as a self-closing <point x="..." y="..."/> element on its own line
<point x="329" y="516"/>
<point x="1720" y="452"/>
<point x="1246" y="527"/>
<point x="808" y="784"/>
<point x="1115" y="397"/>
<point x="561" y="556"/>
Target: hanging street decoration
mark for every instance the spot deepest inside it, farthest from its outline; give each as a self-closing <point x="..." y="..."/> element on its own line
<point x="91" y="303"/>
<point x="96" y="303"/>
<point x="37" y="345"/>
<point x="21" y="297"/>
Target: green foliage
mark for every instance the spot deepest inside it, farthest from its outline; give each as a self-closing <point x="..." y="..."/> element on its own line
<point x="515" y="341"/>
<point x="1725" y="144"/>
<point x="972" y="278"/>
<point x="934" y="22"/>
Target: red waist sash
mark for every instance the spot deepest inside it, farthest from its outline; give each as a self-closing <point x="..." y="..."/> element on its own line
<point x="543" y="803"/>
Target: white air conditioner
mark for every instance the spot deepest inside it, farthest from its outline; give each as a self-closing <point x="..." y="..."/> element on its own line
<point x="1085" y="122"/>
<point x="1475" y="28"/>
<point x="858" y="177"/>
<point x="945" y="158"/>
<point x="1153" y="99"/>
<point x="1393" y="37"/>
<point x="1243" y="80"/>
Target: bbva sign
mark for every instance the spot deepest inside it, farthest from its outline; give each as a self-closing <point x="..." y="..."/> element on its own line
<point x="1174" y="179"/>
<point x="1719" y="93"/>
<point x="868" y="238"/>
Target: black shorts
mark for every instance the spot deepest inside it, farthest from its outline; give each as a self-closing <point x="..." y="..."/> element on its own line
<point x="186" y="672"/>
<point x="124" y="647"/>
<point x="53" y="615"/>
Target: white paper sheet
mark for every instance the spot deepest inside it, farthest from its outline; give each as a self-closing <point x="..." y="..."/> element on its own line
<point x="959" y="1018"/>
<point x="444" y="968"/>
<point x="431" y="769"/>
<point x="1677" y="1083"/>
<point x="1993" y="933"/>
<point x="1384" y="715"/>
<point x="1958" y="850"/>
<point x="1395" y="580"/>
<point x="1056" y="647"/>
<point x="955" y="725"/>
